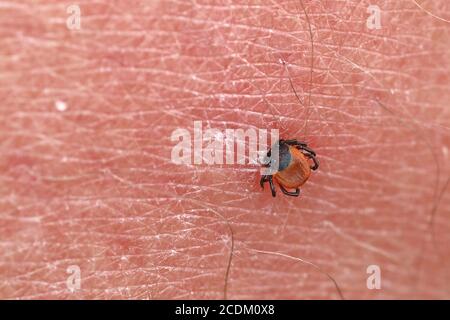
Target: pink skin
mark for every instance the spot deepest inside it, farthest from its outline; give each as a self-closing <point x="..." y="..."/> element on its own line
<point x="94" y="186"/>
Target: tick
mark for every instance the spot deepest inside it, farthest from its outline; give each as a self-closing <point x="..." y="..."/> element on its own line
<point x="294" y="167"/>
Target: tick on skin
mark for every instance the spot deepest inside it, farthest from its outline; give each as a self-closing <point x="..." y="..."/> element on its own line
<point x="294" y="167"/>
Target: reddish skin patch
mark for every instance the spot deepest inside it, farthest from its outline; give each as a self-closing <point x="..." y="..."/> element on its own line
<point x="298" y="171"/>
<point x="93" y="186"/>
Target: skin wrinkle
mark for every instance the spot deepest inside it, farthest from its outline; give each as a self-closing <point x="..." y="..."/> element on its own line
<point x="92" y="184"/>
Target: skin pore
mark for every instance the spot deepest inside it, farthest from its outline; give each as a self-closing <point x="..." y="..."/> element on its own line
<point x="85" y="140"/>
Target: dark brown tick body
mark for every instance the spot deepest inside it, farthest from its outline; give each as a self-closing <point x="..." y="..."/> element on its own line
<point x="294" y="167"/>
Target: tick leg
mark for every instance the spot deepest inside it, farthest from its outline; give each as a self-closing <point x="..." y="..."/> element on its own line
<point x="300" y="146"/>
<point x="316" y="162"/>
<point x="292" y="194"/>
<point x="262" y="181"/>
<point x="272" y="186"/>
<point x="307" y="149"/>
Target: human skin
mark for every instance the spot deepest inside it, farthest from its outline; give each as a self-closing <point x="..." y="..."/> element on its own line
<point x="85" y="140"/>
